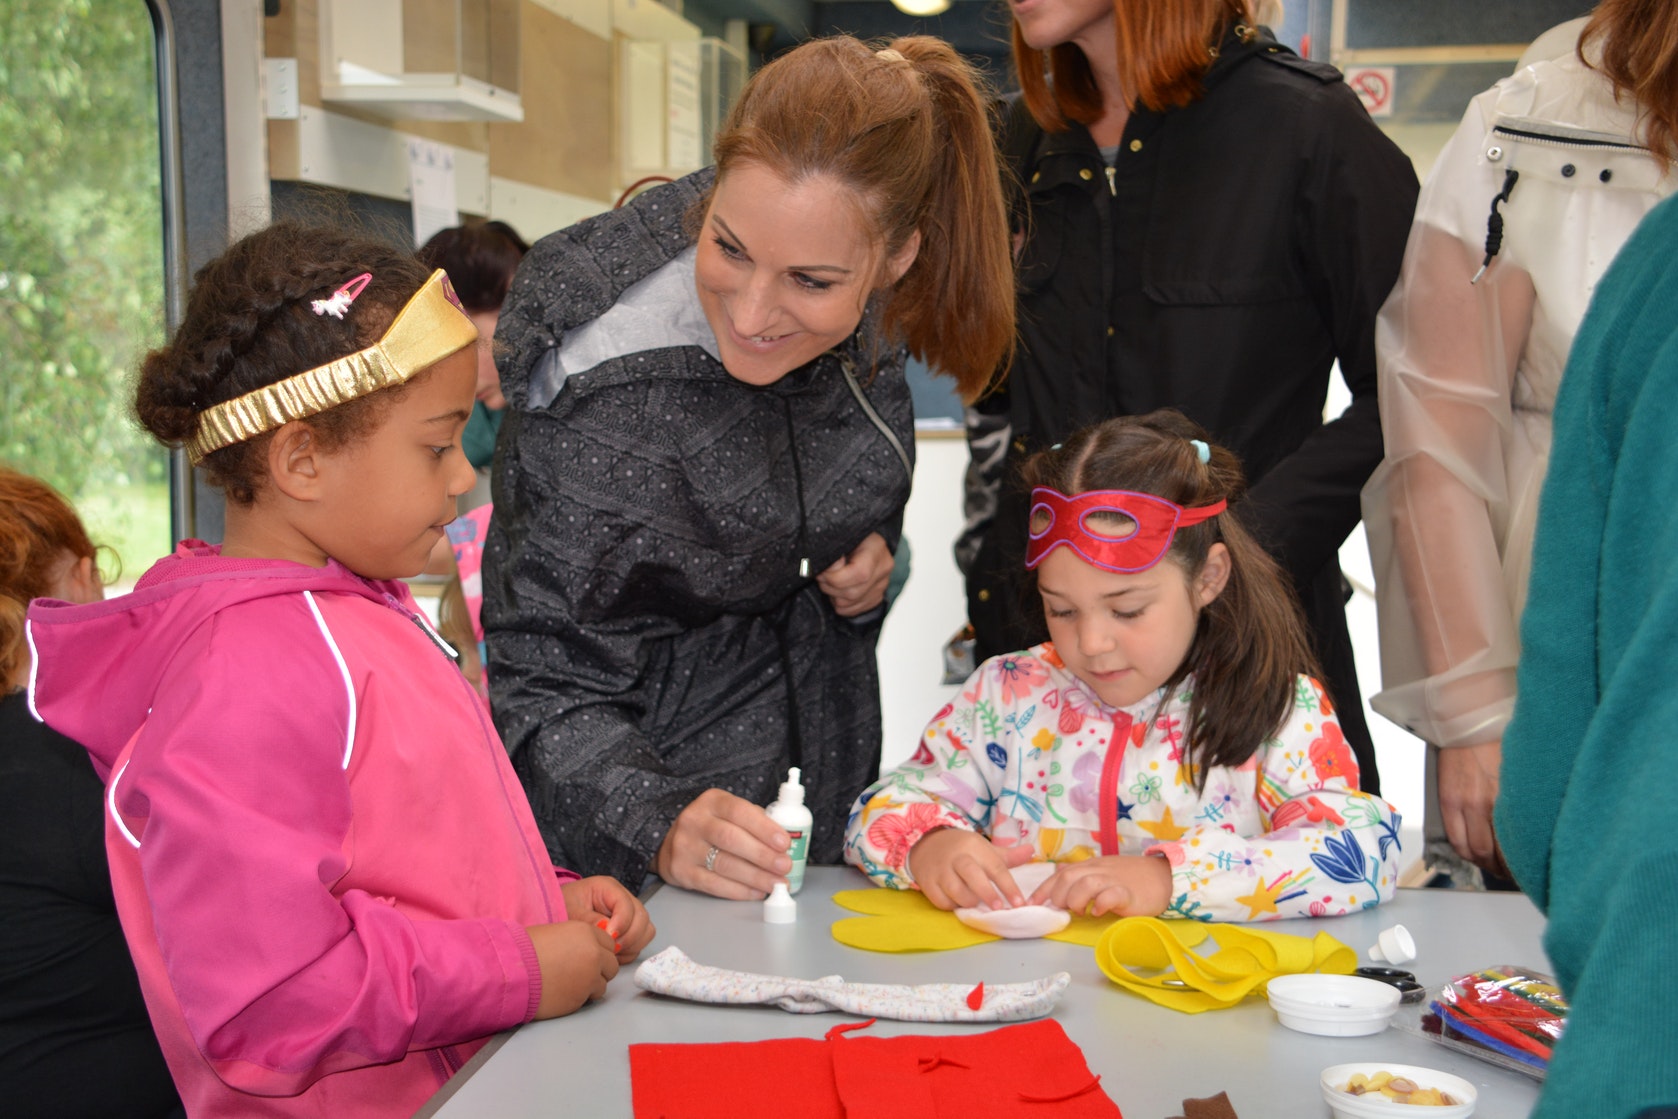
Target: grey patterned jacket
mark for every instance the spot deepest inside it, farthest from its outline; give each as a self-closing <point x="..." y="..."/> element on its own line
<point x="650" y="632"/>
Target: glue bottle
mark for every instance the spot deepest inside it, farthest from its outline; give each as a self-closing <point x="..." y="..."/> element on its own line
<point x="795" y="819"/>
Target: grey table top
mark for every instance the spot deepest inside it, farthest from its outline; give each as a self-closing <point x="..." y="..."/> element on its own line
<point x="1150" y="1058"/>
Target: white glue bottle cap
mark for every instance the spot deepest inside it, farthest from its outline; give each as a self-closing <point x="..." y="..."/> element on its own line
<point x="1393" y="946"/>
<point x="778" y="907"/>
<point x="792" y="789"/>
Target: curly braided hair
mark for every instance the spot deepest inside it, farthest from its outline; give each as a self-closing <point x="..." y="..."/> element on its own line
<point x="248" y="324"/>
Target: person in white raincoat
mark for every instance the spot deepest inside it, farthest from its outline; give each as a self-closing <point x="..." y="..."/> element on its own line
<point x="1548" y="174"/>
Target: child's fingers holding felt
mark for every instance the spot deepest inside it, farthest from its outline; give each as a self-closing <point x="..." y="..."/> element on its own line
<point x="1128" y="885"/>
<point x="576" y="960"/>
<point x="607" y="903"/>
<point x="626" y="921"/>
<point x="956" y="868"/>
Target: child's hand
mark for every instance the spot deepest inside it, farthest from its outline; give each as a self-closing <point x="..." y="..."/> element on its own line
<point x="956" y="868"/>
<point x="1127" y="885"/>
<point x="576" y="961"/>
<point x="608" y="904"/>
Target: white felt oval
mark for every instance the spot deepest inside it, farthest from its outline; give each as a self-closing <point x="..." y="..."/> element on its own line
<point x="1023" y="922"/>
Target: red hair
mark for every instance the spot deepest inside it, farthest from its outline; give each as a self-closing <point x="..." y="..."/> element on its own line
<point x="1640" y="56"/>
<point x="1165" y="47"/>
<point x="37" y="529"/>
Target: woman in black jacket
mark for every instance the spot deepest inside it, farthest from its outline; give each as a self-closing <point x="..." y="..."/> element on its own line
<point x="706" y="454"/>
<point x="1209" y="223"/>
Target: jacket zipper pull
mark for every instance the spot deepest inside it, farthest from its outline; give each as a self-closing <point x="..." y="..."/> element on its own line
<point x="1112" y="186"/>
<point x="431" y="635"/>
<point x="804" y="567"/>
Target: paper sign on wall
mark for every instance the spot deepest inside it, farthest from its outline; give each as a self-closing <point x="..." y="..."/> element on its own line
<point x="681" y="101"/>
<point x="431" y="185"/>
<point x="1374" y="87"/>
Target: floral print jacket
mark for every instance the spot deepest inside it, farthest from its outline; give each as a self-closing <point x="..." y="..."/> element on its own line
<point x="1027" y="754"/>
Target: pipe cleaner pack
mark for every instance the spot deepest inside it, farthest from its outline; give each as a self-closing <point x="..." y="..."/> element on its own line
<point x="1508" y="1015"/>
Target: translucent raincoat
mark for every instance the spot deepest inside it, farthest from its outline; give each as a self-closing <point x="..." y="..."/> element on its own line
<point x="1468" y="377"/>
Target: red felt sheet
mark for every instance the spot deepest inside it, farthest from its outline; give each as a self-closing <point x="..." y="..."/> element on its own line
<point x="1027" y="1071"/>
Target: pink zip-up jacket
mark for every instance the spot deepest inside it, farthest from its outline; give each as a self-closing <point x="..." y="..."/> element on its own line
<point x="323" y="860"/>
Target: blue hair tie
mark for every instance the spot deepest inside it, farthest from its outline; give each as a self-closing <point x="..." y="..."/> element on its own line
<point x="1201" y="449"/>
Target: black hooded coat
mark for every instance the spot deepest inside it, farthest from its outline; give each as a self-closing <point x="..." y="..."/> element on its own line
<point x="653" y="623"/>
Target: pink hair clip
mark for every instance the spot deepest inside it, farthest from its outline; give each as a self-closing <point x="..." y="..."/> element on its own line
<point x="339" y="301"/>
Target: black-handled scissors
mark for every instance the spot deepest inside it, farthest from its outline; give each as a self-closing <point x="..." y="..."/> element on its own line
<point x="1408" y="989"/>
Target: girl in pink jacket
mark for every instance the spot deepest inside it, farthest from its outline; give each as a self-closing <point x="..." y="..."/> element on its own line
<point x="326" y="870"/>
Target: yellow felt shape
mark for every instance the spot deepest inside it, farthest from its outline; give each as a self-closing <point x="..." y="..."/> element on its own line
<point x="1154" y="959"/>
<point x="905" y="921"/>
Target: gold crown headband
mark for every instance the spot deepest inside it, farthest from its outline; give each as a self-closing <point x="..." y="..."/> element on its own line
<point x="427" y="329"/>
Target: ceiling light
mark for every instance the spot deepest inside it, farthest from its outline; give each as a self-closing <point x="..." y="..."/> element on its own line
<point x="921" y="7"/>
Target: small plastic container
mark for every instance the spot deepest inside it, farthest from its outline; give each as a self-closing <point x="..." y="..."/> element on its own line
<point x="1332" y="1005"/>
<point x="1376" y="1106"/>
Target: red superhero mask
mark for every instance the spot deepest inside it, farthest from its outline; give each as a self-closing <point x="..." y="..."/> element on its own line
<point x="1153" y="522"/>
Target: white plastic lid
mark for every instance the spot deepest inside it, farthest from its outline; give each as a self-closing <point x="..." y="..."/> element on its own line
<point x="779" y="908"/>
<point x="792" y="789"/>
<point x="1394" y="946"/>
<point x="1332" y="1005"/>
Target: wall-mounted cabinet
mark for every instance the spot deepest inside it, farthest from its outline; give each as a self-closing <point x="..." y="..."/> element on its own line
<point x="673" y="97"/>
<point x="441" y="60"/>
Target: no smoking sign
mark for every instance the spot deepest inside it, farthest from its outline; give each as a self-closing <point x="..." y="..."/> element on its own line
<point x="1374" y="87"/>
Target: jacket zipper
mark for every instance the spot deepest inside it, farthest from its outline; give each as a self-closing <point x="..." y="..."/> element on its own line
<point x="1565" y="141"/>
<point x="1107" y="833"/>
<point x="490" y="740"/>
<point x="431" y="635"/>
<point x="1112" y="184"/>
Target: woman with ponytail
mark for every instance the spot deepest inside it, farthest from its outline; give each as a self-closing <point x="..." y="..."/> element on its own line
<point x="706" y="456"/>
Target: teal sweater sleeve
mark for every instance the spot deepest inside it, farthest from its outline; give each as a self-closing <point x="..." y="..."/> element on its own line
<point x="478" y="440"/>
<point x="1585" y="811"/>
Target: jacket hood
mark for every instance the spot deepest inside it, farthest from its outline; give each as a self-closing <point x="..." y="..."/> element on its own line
<point x="97" y="666"/>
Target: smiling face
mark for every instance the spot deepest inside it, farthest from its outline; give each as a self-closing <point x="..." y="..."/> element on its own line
<point x="386" y="496"/>
<point x="1049" y="23"/>
<point x="1124" y="635"/>
<point x="784" y="270"/>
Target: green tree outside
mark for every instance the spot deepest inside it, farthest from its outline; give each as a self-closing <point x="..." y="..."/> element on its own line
<point x="81" y="260"/>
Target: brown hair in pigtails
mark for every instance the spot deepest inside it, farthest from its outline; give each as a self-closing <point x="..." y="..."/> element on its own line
<point x="1250" y="644"/>
<point x="249" y="323"/>
<point x="908" y="132"/>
